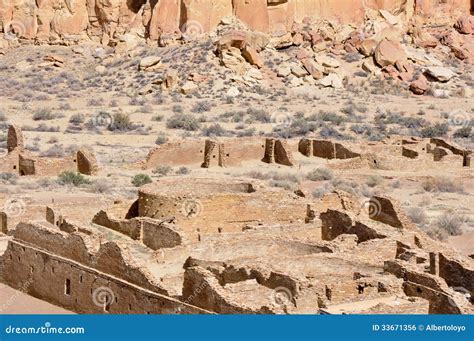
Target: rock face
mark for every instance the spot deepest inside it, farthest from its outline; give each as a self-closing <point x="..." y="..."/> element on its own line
<point x="158" y="20"/>
<point x="388" y="53"/>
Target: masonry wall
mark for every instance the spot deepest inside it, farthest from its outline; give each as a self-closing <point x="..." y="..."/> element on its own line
<point x="192" y="151"/>
<point x="456" y="274"/>
<point x="47" y="277"/>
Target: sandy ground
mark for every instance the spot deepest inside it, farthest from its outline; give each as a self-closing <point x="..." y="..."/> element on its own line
<point x="17" y="302"/>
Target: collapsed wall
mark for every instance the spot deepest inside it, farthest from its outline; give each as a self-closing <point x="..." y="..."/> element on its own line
<point x="24" y="162"/>
<point x="154" y="234"/>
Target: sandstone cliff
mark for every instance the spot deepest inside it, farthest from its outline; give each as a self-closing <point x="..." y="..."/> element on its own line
<point x="73" y="20"/>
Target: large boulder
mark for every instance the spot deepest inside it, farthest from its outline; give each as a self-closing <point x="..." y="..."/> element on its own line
<point x="420" y="85"/>
<point x="465" y="24"/>
<point x="389" y="52"/>
<point x="440" y="74"/>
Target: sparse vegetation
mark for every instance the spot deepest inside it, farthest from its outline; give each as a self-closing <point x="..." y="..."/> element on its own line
<point x="73" y="178"/>
<point x="320" y="174"/>
<point x="442" y="184"/>
<point x="141" y="179"/>
<point x="183" y="121"/>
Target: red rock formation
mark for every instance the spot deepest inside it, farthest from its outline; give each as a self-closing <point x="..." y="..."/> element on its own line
<point x="109" y="18"/>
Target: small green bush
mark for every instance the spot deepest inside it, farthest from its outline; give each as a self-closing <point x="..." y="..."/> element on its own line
<point x="72" y="178"/>
<point x="141" y="179"/>
<point x="183" y="121"/>
<point x="161" y="138"/>
<point x="43" y="115"/>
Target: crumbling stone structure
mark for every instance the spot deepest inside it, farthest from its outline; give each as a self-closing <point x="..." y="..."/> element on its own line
<point x="442" y="148"/>
<point x="65" y="269"/>
<point x="213" y="150"/>
<point x="226" y="153"/>
<point x="3" y="223"/>
<point x="86" y="162"/>
<point x="25" y="163"/>
<point x="325" y="149"/>
<point x="277" y="151"/>
<point x="409" y="153"/>
<point x="165" y="259"/>
<point x="14" y="138"/>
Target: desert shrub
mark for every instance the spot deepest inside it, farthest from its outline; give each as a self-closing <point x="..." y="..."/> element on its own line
<point x="121" y="122"/>
<point x="8" y="177"/>
<point x="320" y="192"/>
<point x="141" y="179"/>
<point x="162" y="170"/>
<point x="437" y="130"/>
<point x="177" y="109"/>
<point x="442" y="184"/>
<point x="101" y="186"/>
<point x="3" y="117"/>
<point x="246" y="133"/>
<point x="259" y="115"/>
<point x="72" y="178"/>
<point x="328" y="117"/>
<point x="157" y="118"/>
<point x="76" y="119"/>
<point x="319" y="174"/>
<point x="463" y="132"/>
<point x="451" y="222"/>
<point x="288" y="177"/>
<point x="201" y="106"/>
<point x="258" y="175"/>
<point x="288" y="185"/>
<point x="298" y="127"/>
<point x="345" y="185"/>
<point x="42" y="127"/>
<point x="182" y="171"/>
<point x="374" y="180"/>
<point x="183" y="121"/>
<point x="417" y="215"/>
<point x="161" y="138"/>
<point x="95" y="102"/>
<point x="214" y="130"/>
<point x="43" y="115"/>
<point x="146" y="109"/>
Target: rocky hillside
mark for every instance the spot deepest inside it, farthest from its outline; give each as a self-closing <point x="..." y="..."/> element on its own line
<point x="166" y="20"/>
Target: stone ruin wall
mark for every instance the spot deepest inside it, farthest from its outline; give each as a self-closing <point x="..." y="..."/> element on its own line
<point x="152" y="233"/>
<point x="23" y="162"/>
<point x="44" y="275"/>
<point x="63" y="275"/>
<point x="193" y="151"/>
<point x="93" y="18"/>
